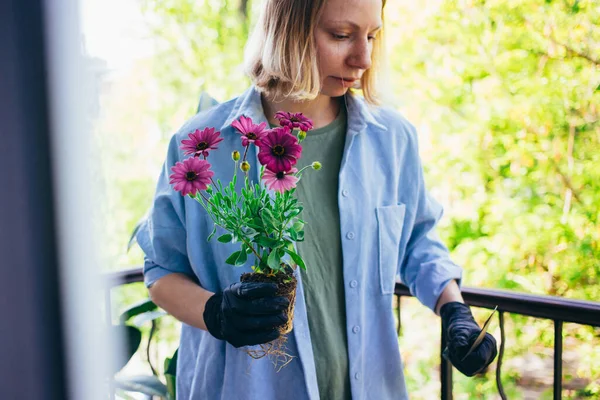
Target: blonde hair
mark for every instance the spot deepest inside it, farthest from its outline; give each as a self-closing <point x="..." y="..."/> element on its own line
<point x="280" y="56"/>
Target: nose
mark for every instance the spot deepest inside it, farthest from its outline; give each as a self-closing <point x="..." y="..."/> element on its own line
<point x="360" y="57"/>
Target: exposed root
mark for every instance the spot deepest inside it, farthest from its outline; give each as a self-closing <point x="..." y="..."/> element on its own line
<point x="276" y="352"/>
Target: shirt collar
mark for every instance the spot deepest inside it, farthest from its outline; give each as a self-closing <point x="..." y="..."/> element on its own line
<point x="360" y="114"/>
<point x="249" y="104"/>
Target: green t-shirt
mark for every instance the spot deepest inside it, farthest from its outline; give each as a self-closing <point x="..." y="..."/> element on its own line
<point x="322" y="252"/>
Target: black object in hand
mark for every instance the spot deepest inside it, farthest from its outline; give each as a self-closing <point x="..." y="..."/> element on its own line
<point x="461" y="331"/>
<point x="246" y="313"/>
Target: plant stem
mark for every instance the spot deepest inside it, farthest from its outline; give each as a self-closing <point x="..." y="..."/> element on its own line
<point x="216" y="223"/>
<point x="299" y="172"/>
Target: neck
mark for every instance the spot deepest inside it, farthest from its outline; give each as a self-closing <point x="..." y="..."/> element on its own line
<point x="322" y="110"/>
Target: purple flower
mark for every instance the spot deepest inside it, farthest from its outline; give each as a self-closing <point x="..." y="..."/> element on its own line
<point x="294" y="120"/>
<point x="279" y="150"/>
<point x="191" y="175"/>
<point x="280" y="181"/>
<point x="201" y="141"/>
<point x="251" y="133"/>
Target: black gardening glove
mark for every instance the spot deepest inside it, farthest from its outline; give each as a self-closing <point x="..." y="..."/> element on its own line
<point x="246" y="313"/>
<point x="461" y="331"/>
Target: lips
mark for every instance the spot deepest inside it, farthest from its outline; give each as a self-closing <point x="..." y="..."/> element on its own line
<point x="348" y="80"/>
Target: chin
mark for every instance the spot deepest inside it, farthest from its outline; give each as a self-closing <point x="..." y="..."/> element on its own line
<point x="334" y="91"/>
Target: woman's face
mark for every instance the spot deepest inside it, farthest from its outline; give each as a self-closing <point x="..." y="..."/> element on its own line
<point x="344" y="38"/>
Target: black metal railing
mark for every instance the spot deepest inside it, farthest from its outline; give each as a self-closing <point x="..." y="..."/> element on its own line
<point x="558" y="309"/>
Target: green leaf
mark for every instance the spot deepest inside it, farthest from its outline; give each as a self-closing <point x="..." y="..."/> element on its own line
<point x="249" y="231"/>
<point x="265" y="241"/>
<point x="141" y="307"/>
<point x="274" y="260"/>
<point x="233" y="257"/>
<point x="171" y="366"/>
<point x="149" y="385"/>
<point x="212" y="233"/>
<point x="268" y="218"/>
<point x="242" y="258"/>
<point x="130" y="337"/>
<point x="298" y="225"/>
<point x="226" y="238"/>
<point x="293" y="213"/>
<point x="141" y="319"/>
<point x="296" y="258"/>
<point x="293" y="234"/>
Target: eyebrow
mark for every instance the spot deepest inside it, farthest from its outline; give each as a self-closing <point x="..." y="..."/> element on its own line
<point x="353" y="25"/>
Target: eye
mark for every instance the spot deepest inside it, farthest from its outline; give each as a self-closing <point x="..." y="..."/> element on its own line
<point x="339" y="37"/>
<point x="372" y="38"/>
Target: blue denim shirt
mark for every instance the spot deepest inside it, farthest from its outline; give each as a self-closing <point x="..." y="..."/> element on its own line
<point x="387" y="222"/>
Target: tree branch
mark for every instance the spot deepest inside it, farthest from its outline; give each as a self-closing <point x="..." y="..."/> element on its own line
<point x="566" y="180"/>
<point x="575" y="52"/>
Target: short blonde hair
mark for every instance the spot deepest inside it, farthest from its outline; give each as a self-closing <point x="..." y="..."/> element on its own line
<point x="281" y="52"/>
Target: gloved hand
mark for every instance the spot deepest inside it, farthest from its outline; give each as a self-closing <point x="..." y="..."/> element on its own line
<point x="246" y="313"/>
<point x="461" y="331"/>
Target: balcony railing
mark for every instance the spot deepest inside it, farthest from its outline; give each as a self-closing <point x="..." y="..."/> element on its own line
<point x="558" y="309"/>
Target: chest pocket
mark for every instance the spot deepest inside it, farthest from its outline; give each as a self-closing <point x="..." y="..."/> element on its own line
<point x="390" y="221"/>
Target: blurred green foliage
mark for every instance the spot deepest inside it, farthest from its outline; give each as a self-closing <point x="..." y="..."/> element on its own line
<point x="506" y="97"/>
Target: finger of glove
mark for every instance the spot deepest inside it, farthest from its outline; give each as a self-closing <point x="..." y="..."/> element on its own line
<point x="253" y="290"/>
<point x="479" y="359"/>
<point x="252" y="338"/>
<point x="460" y="343"/>
<point x="262" y="306"/>
<point x="253" y="323"/>
<point x="462" y="334"/>
<point x="487" y="350"/>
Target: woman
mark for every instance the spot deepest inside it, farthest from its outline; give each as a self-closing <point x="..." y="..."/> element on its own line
<point x="369" y="219"/>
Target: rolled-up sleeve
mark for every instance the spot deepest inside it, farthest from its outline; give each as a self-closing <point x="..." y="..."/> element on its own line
<point x="427" y="268"/>
<point x="162" y="235"/>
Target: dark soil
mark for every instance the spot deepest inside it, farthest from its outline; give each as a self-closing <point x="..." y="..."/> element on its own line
<point x="286" y="286"/>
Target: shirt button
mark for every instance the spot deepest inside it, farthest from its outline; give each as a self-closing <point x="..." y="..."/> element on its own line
<point x="350" y="235"/>
<point x="353" y="284"/>
<point x="357" y="376"/>
<point x="356" y="329"/>
<point x="345" y="193"/>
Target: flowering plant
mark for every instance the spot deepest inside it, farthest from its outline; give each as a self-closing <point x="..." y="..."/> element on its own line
<point x="265" y="226"/>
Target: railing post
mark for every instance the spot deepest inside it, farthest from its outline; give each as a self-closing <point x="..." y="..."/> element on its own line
<point x="108" y="316"/>
<point x="445" y="371"/>
<point x="500" y="357"/>
<point x="558" y="324"/>
<point x="398" y="298"/>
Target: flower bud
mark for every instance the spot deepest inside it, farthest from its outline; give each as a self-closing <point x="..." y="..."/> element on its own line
<point x="235" y="155"/>
<point x="301" y="136"/>
<point x="316" y="165"/>
<point x="245" y="166"/>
